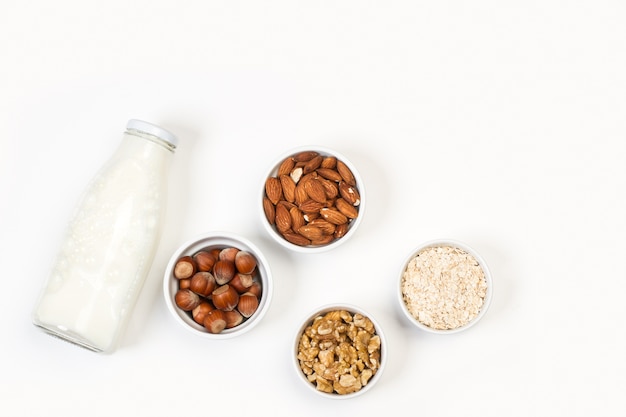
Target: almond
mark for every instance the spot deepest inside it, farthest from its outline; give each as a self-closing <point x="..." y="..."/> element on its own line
<point x="273" y="190"/>
<point x="301" y="195"/>
<point x="326" y="227"/>
<point x="296" y="174"/>
<point x="341" y="231"/>
<point x="286" y="203"/>
<point x="330" y="188"/>
<point x="324" y="240"/>
<point x="310" y="232"/>
<point x="329" y="174"/>
<point x="297" y="218"/>
<point x="286" y="166"/>
<point x="289" y="188"/>
<point x="296" y="239"/>
<point x="345" y="173"/>
<point x="313" y="164"/>
<point x="311" y="206"/>
<point x="308" y="176"/>
<point x="283" y="218"/>
<point x="305" y="156"/>
<point x="309" y="217"/>
<point x="315" y="190"/>
<point x="329" y="162"/>
<point x="334" y="216"/>
<point x="346" y="208"/>
<point x="349" y="193"/>
<point x="269" y="209"/>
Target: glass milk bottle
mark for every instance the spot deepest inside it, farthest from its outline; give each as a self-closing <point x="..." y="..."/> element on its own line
<point x="110" y="243"/>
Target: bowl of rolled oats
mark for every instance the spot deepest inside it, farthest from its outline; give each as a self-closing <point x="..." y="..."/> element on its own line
<point x="339" y="351"/>
<point x="312" y="199"/>
<point x="445" y="287"/>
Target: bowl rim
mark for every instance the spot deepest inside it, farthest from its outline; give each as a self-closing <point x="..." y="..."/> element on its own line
<point x="465" y="247"/>
<point x="325" y="308"/>
<point x="218" y="238"/>
<point x="355" y="223"/>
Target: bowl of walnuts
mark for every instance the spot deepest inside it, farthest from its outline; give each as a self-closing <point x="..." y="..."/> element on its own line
<point x="312" y="199"/>
<point x="218" y="285"/>
<point x="339" y="351"/>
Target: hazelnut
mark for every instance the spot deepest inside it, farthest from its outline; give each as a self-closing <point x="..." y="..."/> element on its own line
<point x="186" y="299"/>
<point x="233" y="318"/>
<point x="245" y="262"/>
<point x="185" y="267"/>
<point x="225" y="297"/>
<point x="204" y="260"/>
<point x="241" y="282"/>
<point x="215" y="252"/>
<point x="215" y="321"/>
<point x="223" y="271"/>
<point x="184" y="283"/>
<point x="228" y="254"/>
<point x="202" y="283"/>
<point x="248" y="304"/>
<point x="199" y="313"/>
<point x="256" y="289"/>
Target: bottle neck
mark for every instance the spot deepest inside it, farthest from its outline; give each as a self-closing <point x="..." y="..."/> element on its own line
<point x="152" y="138"/>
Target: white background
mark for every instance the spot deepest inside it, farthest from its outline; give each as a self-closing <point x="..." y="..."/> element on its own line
<point x="497" y="123"/>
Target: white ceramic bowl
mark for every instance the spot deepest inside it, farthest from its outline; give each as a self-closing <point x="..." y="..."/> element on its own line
<point x="353" y="224"/>
<point x="321" y="311"/>
<point x="455" y="321"/>
<point x="209" y="241"/>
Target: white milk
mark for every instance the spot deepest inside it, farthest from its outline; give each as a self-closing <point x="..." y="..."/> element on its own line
<point x="110" y="243"/>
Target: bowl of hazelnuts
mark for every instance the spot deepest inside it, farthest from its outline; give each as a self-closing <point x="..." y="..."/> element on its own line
<point x="218" y="285"/>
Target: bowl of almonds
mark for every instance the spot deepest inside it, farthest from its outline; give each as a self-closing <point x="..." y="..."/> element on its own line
<point x="218" y="285"/>
<point x="445" y="287"/>
<point x="312" y="199"/>
<point x="340" y="351"/>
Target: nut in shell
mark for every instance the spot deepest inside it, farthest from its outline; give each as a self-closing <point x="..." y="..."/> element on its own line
<point x="228" y="254"/>
<point x="200" y="312"/>
<point x="224" y="270"/>
<point x="187" y="300"/>
<point x="185" y="267"/>
<point x="248" y="304"/>
<point x="245" y="262"/>
<point x="204" y="260"/>
<point x="233" y="318"/>
<point x="215" y="321"/>
<point x="202" y="283"/>
<point x="225" y="297"/>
